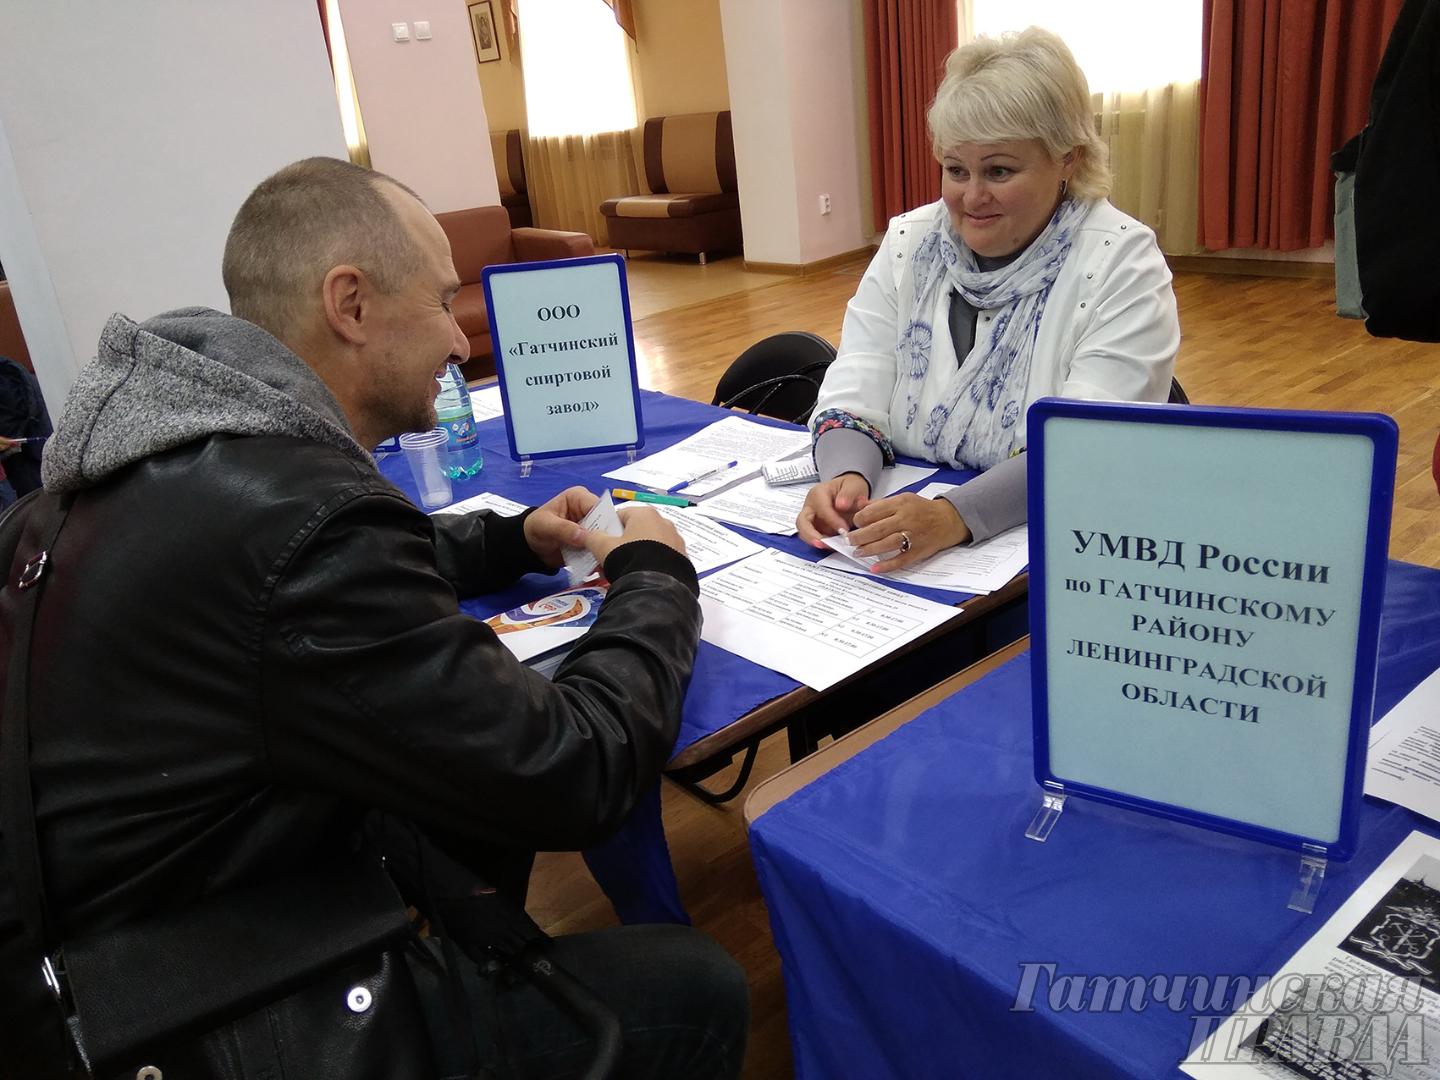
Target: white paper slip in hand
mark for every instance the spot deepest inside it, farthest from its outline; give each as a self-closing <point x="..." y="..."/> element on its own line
<point x="580" y="565"/>
<point x="841" y="546"/>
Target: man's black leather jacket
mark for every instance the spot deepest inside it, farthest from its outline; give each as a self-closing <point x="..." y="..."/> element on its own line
<point x="246" y="641"/>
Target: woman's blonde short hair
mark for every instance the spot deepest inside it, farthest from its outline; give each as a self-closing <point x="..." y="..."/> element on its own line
<point x="1022" y="85"/>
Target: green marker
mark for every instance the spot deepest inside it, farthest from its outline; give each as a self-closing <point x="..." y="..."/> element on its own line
<point x="650" y="497"/>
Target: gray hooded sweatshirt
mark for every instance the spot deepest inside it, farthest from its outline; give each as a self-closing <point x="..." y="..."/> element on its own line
<point x="182" y="376"/>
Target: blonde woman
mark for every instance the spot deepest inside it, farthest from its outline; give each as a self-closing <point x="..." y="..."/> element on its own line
<point x="1022" y="282"/>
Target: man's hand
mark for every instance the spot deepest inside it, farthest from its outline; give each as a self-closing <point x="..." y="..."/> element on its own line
<point x="830" y="506"/>
<point x="552" y="526"/>
<point x="641" y="523"/>
<point x="930" y="525"/>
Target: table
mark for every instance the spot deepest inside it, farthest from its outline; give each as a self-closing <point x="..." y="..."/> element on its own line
<point x="731" y="703"/>
<point x="909" y="909"/>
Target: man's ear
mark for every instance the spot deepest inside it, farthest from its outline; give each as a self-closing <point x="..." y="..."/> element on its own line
<point x="346" y="295"/>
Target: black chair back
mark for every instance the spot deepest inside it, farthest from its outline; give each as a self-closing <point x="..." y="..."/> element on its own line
<point x="778" y="376"/>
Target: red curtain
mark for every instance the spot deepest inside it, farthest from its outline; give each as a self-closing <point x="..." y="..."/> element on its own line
<point x="906" y="42"/>
<point x="1283" y="84"/>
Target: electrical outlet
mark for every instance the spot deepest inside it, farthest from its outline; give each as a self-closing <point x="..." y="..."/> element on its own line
<point x="824" y="204"/>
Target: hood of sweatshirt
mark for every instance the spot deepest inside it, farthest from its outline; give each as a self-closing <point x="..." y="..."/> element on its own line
<point x="179" y="377"/>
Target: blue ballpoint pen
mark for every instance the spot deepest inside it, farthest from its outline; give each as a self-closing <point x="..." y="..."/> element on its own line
<point x="703" y="476"/>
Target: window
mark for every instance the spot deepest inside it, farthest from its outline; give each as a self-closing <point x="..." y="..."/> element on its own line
<point x="577" y="68"/>
<point x="1110" y="58"/>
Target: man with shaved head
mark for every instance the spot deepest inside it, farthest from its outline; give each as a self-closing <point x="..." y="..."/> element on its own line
<point x="250" y="640"/>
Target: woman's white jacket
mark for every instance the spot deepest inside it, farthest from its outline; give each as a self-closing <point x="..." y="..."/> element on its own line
<point x="1109" y="330"/>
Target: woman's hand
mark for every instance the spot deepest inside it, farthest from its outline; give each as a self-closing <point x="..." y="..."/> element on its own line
<point x="907" y="526"/>
<point x="553" y="526"/>
<point x="830" y="506"/>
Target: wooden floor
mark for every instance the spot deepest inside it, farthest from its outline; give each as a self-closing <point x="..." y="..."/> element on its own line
<point x="1273" y="342"/>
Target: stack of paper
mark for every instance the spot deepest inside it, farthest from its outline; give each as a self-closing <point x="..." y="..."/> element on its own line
<point x="735" y="439"/>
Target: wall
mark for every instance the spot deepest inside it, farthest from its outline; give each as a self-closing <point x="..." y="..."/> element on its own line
<point x="760" y="115"/>
<point x="129" y="135"/>
<point x="502" y="84"/>
<point x="424" y="116"/>
<point x="680" y="56"/>
<point x="792" y="74"/>
<point x="819" y="64"/>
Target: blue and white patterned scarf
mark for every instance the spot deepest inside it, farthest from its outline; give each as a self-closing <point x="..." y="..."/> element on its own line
<point x="976" y="425"/>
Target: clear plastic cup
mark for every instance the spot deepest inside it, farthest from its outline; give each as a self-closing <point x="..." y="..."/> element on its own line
<point x="426" y="452"/>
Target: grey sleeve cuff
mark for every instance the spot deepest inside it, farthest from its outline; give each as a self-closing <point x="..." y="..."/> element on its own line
<point x="994" y="501"/>
<point x="842" y="450"/>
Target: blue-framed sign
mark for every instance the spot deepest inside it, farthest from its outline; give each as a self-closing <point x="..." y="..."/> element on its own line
<point x="1205" y="594"/>
<point x="565" y="356"/>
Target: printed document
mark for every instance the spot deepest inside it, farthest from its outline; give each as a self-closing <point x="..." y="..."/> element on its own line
<point x="1404" y="764"/>
<point x="1359" y="1000"/>
<point x="745" y="442"/>
<point x="972" y="568"/>
<point x="709" y="544"/>
<point x="484" y="501"/>
<point x="756" y="505"/>
<point x="486" y="403"/>
<point x="812" y="624"/>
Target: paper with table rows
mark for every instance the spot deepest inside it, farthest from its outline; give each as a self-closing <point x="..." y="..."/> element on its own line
<point x="1404" y="762"/>
<point x="807" y="622"/>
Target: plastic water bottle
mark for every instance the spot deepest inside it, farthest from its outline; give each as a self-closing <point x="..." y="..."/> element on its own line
<point x="452" y="406"/>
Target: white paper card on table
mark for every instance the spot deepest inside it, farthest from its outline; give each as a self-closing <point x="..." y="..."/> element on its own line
<point x="1403" y="766"/>
<point x="756" y="505"/>
<point x="486" y="500"/>
<point x="708" y="544"/>
<point x="1359" y="999"/>
<point x="973" y="568"/>
<point x="486" y="403"/>
<point x="734" y="438"/>
<point x="807" y="622"/>
<point x="580" y="565"/>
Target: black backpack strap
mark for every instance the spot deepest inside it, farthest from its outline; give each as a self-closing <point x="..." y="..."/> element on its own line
<point x="17" y="807"/>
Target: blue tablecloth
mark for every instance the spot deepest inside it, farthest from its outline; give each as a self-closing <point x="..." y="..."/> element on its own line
<point x="906" y="902"/>
<point x="634" y="868"/>
<point x="724" y="687"/>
